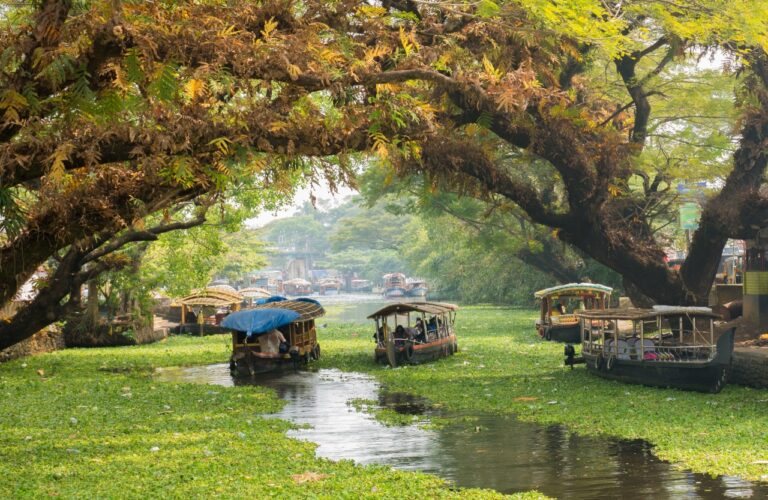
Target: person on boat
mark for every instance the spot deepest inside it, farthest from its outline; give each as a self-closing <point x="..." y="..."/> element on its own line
<point x="402" y="333"/>
<point x="379" y="335"/>
<point x="270" y="341"/>
<point x="421" y="333"/>
<point x="557" y="309"/>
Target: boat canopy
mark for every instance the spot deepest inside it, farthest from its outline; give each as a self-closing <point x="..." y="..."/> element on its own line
<point x="573" y="289"/>
<point x="406" y="307"/>
<point x="254" y="293"/>
<point x="307" y="308"/>
<point x="635" y="314"/>
<point x="211" y="297"/>
<point x="274" y="314"/>
<point x="297" y="282"/>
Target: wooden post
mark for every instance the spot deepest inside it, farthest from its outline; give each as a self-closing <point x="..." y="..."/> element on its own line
<point x="183" y="313"/>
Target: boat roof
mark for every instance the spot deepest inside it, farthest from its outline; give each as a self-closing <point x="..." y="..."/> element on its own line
<point x="406" y="307"/>
<point x="640" y="314"/>
<point x="211" y="297"/>
<point x="254" y="293"/>
<point x="307" y="308"/>
<point x="297" y="281"/>
<point x="573" y="289"/>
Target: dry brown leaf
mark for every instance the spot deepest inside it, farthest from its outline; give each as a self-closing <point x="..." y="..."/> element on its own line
<point x="308" y="477"/>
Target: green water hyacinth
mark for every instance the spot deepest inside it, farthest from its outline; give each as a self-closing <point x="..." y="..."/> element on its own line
<point x="503" y="367"/>
<point x="93" y="423"/>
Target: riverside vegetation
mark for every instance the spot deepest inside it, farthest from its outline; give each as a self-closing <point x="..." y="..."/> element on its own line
<point x="93" y="422"/>
<point x="502" y="367"/>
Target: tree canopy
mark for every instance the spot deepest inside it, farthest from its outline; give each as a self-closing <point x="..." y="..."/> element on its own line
<point x="115" y="110"/>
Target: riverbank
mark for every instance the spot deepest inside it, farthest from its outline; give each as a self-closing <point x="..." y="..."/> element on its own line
<point x="94" y="423"/>
<point x="503" y="368"/>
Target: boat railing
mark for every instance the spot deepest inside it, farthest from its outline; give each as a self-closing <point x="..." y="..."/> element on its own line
<point x="564" y="319"/>
<point x="650" y="350"/>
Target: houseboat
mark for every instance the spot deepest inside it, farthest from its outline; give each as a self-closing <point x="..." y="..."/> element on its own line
<point x="414" y="332"/>
<point x="416" y="287"/>
<point x="361" y="286"/>
<point x="272" y="281"/>
<point x="666" y="346"/>
<point x="203" y="310"/>
<point x="297" y="286"/>
<point x="330" y="286"/>
<point x="276" y="334"/>
<point x="557" y="320"/>
<point x="394" y="285"/>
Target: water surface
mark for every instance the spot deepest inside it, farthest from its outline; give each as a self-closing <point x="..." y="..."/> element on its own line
<point x="487" y="451"/>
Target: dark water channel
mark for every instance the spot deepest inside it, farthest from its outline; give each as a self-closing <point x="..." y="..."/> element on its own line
<point x="487" y="451"/>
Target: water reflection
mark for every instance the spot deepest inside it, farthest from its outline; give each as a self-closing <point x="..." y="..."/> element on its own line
<point x="487" y="451"/>
<point x="356" y="307"/>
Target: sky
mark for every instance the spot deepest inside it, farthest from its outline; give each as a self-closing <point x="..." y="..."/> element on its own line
<point x="321" y="192"/>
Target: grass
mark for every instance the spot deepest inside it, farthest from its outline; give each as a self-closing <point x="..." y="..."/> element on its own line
<point x="504" y="368"/>
<point x="93" y="423"/>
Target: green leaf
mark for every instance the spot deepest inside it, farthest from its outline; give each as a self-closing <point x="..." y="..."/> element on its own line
<point x="487" y="8"/>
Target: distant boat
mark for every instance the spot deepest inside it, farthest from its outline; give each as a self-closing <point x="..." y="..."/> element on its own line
<point x="329" y="286"/>
<point x="297" y="286"/>
<point x="416" y="287"/>
<point x="361" y="286"/>
<point x="394" y="285"/>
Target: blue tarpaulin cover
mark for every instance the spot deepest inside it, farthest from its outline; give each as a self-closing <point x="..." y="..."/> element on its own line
<point x="267" y="300"/>
<point x="259" y="321"/>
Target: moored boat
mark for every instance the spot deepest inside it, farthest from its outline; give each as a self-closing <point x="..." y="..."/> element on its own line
<point x="557" y="320"/>
<point x="256" y="332"/>
<point x="666" y="346"/>
<point x="416" y="287"/>
<point x="297" y="286"/>
<point x="361" y="285"/>
<point x="414" y="332"/>
<point x="394" y="285"/>
<point x="203" y="310"/>
<point x="329" y="286"/>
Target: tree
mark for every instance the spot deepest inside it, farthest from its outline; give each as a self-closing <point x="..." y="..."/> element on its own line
<point x="116" y="110"/>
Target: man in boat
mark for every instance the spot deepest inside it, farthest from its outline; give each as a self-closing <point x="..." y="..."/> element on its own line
<point x="270" y="341"/>
<point x="421" y="333"/>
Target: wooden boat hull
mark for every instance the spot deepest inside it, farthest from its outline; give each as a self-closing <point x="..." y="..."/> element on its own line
<point x="569" y="334"/>
<point x="706" y="376"/>
<point x="417" y="292"/>
<point x="246" y="363"/>
<point x="422" y="353"/>
<point x="394" y="292"/>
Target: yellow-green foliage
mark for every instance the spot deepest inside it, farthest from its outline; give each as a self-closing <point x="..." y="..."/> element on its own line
<point x="503" y="367"/>
<point x="93" y="424"/>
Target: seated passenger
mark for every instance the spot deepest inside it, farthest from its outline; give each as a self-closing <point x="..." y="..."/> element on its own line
<point x="270" y="342"/>
<point x="379" y="335"/>
<point x="400" y="332"/>
<point x="432" y="324"/>
<point x="416" y="334"/>
<point x="420" y="325"/>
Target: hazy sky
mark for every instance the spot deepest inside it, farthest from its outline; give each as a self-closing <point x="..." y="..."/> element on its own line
<point x="321" y="193"/>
